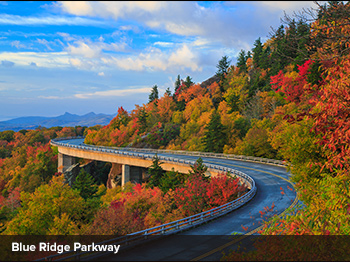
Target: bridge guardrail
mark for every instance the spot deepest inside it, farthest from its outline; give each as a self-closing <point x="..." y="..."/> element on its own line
<point x="117" y="150"/>
<point x="164" y="229"/>
<point x="189" y="153"/>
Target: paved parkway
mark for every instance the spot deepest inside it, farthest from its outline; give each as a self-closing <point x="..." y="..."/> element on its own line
<point x="208" y="241"/>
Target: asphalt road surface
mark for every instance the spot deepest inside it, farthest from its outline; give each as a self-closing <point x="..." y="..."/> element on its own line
<point x="208" y="241"/>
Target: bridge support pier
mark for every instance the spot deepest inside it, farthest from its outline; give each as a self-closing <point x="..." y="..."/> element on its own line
<point x="131" y="173"/>
<point x="125" y="174"/>
<point x="64" y="162"/>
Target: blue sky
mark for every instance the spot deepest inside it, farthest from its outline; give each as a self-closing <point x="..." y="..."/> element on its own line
<point x="79" y="57"/>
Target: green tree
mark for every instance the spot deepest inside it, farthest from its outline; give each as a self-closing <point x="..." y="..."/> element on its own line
<point x="154" y="94"/>
<point x="242" y="125"/>
<point x="256" y="142"/>
<point x="168" y="92"/>
<point x="177" y="83"/>
<point x="222" y="67"/>
<point x="85" y="184"/>
<point x="7" y="135"/>
<point x="171" y="180"/>
<point x="261" y="55"/>
<point x="241" y="61"/>
<point x="199" y="168"/>
<point x="278" y="61"/>
<point x="257" y="52"/>
<point x="156" y="172"/>
<point x="142" y="120"/>
<point x="188" y="82"/>
<point x="215" y="135"/>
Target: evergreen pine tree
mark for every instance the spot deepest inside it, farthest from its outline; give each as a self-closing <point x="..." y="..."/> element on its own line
<point x="222" y="66"/>
<point x="156" y="172"/>
<point x="171" y="180"/>
<point x="168" y="92"/>
<point x="199" y="168"/>
<point x="154" y="94"/>
<point x="85" y="184"/>
<point x="188" y="82"/>
<point x="242" y="61"/>
<point x="257" y="52"/>
<point x="177" y="83"/>
<point x="215" y="136"/>
<point x="303" y="38"/>
<point x="142" y="120"/>
<point x="278" y="61"/>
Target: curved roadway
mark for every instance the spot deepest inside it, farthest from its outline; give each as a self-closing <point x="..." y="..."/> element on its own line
<point x="208" y="241"/>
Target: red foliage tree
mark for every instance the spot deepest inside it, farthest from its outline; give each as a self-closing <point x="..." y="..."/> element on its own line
<point x="191" y="92"/>
<point x="192" y="197"/>
<point x="332" y="116"/>
<point x="223" y="189"/>
<point x="293" y="87"/>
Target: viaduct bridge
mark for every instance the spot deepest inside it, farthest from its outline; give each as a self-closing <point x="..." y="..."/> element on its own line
<point x="266" y="179"/>
<point x="131" y="160"/>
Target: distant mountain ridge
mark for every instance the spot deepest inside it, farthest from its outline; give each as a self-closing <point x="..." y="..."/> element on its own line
<point x="67" y="119"/>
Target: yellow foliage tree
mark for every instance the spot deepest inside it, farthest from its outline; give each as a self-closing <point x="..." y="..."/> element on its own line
<point x="52" y="208"/>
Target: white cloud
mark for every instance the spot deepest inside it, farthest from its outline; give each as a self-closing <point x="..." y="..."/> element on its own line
<point x="175" y="17"/>
<point x="83" y="49"/>
<point x="52" y="97"/>
<point x="76" y="62"/>
<point x="18" y="44"/>
<point x="49" y="59"/>
<point x="132" y="28"/>
<point x="84" y="54"/>
<point x="76" y="7"/>
<point x="222" y="27"/>
<point x="180" y="18"/>
<point x="66" y="36"/>
<point x="45" y="43"/>
<point x="116" y="47"/>
<point x="106" y="9"/>
<point x="140" y="63"/>
<point x="201" y="42"/>
<point x="89" y="49"/>
<point x="88" y="55"/>
<point x="154" y="59"/>
<point x="6" y="19"/>
<point x="184" y="28"/>
<point x="287" y="6"/>
<point x="235" y="24"/>
<point x="184" y="57"/>
<point x="85" y="64"/>
<point x="117" y="92"/>
<point x="163" y="44"/>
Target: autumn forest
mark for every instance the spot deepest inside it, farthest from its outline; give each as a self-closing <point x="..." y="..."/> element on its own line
<point x="287" y="99"/>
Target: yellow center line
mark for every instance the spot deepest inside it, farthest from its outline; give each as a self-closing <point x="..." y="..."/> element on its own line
<point x="252" y="231"/>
